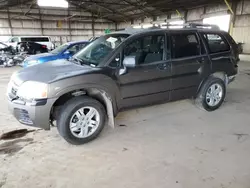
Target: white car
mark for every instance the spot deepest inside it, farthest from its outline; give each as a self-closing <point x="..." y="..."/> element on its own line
<point x="44" y="40"/>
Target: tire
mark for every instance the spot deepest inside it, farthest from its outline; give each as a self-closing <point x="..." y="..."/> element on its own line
<point x="203" y="102"/>
<point x="67" y="117"/>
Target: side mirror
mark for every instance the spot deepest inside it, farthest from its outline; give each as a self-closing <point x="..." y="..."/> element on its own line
<point x="129" y="61"/>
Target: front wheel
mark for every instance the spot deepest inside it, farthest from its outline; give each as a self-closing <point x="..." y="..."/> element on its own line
<point x="81" y="120"/>
<point x="212" y="94"/>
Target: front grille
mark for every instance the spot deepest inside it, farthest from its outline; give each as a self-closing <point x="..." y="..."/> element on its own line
<point x="23" y="116"/>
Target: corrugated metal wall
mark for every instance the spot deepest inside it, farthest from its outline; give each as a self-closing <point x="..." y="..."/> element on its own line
<point x="61" y="24"/>
<point x="69" y="25"/>
<point x="240" y="32"/>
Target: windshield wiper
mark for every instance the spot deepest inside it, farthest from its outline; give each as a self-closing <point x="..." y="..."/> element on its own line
<point x="77" y="60"/>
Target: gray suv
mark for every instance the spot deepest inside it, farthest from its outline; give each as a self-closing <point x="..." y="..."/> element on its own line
<point x="125" y="69"/>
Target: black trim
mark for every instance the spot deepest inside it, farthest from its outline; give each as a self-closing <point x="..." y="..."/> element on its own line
<point x="37" y="102"/>
<point x="40" y="102"/>
<point x="163" y="78"/>
<point x="132" y="97"/>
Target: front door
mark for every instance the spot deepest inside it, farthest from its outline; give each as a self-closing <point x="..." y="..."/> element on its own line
<point x="149" y="81"/>
<point x="190" y="64"/>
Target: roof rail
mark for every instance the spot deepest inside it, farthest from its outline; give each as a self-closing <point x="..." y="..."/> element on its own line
<point x="204" y="26"/>
<point x="195" y="26"/>
<point x="185" y="25"/>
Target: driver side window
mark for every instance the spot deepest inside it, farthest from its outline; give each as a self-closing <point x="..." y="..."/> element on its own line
<point x="147" y="49"/>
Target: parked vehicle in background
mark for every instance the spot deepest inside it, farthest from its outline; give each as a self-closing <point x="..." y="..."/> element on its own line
<point x="43" y="40"/>
<point x="6" y="49"/>
<point x="122" y="70"/>
<point x="64" y="51"/>
<point x="31" y="48"/>
<point x="11" y="57"/>
<point x="6" y="53"/>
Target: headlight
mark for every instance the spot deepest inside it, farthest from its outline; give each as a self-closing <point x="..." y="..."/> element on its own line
<point x="33" y="90"/>
<point x="32" y="62"/>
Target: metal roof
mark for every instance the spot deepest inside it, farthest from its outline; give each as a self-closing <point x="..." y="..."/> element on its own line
<point x="125" y="10"/>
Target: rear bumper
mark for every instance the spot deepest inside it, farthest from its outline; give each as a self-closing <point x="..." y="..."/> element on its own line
<point x="35" y="114"/>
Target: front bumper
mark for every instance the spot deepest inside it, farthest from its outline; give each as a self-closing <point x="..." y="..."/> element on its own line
<point x="32" y="114"/>
<point x="230" y="79"/>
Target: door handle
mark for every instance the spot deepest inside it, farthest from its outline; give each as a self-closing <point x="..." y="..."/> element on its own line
<point x="202" y="60"/>
<point x="163" y="66"/>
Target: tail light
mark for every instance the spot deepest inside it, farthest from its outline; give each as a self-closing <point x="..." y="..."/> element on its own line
<point x="44" y="46"/>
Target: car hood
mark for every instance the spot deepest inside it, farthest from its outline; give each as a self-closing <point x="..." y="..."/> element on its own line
<point x="40" y="56"/>
<point x="51" y="72"/>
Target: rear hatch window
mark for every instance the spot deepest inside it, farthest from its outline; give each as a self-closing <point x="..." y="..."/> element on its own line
<point x="35" y="39"/>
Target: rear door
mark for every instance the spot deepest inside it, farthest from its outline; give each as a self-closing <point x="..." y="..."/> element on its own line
<point x="221" y="53"/>
<point x="190" y="64"/>
<point x="149" y="81"/>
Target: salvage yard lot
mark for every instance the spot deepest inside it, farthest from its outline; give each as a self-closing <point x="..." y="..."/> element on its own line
<point x="168" y="145"/>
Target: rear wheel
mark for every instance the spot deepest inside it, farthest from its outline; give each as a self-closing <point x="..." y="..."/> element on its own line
<point x="212" y="94"/>
<point x="81" y="120"/>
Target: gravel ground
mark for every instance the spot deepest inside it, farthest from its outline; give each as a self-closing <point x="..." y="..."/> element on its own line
<point x="171" y="145"/>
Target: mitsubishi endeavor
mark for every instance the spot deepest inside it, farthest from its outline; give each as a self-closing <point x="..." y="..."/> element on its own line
<point x="125" y="69"/>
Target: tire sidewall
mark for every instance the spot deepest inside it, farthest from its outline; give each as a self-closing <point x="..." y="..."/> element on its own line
<point x="207" y="86"/>
<point x="67" y="113"/>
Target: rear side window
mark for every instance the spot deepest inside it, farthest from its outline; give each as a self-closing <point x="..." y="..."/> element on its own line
<point x="35" y="39"/>
<point x="216" y="43"/>
<point x="185" y="45"/>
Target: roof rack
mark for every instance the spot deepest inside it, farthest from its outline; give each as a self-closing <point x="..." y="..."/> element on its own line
<point x="179" y="26"/>
<point x="195" y="26"/>
<point x="204" y="26"/>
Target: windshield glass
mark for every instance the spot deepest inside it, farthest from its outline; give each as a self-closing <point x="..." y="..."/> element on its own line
<point x="95" y="52"/>
<point x="2" y="45"/>
<point x="60" y="49"/>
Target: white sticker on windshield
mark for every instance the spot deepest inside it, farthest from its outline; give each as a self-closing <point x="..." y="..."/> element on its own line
<point x="112" y="39"/>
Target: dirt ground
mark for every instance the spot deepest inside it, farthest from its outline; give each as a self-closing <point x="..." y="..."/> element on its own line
<point x="174" y="145"/>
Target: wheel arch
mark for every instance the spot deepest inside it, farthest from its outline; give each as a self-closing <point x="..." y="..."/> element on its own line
<point x="99" y="93"/>
<point x="222" y="75"/>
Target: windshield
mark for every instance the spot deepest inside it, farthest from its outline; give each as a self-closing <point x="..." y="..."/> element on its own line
<point x="60" y="49"/>
<point x="3" y="45"/>
<point x="95" y="52"/>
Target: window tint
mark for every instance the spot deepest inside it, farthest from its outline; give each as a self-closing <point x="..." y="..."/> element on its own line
<point x="216" y="43"/>
<point x="185" y="45"/>
<point x="146" y="49"/>
<point x="35" y="39"/>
